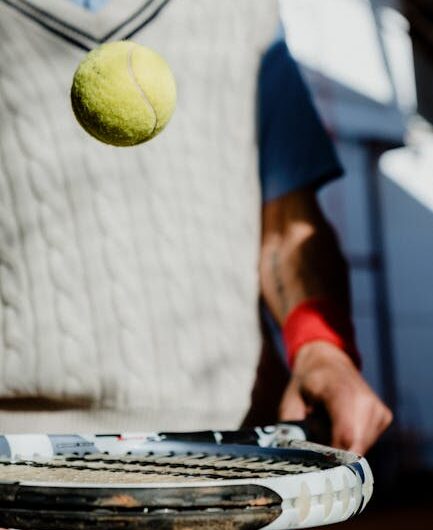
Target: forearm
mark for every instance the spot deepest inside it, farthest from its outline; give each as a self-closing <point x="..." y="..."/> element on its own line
<point x="301" y="260"/>
<point x="300" y="256"/>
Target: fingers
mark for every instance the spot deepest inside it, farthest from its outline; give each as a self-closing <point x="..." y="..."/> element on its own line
<point x="379" y="419"/>
<point x="293" y="407"/>
<point x="357" y="427"/>
<point x="326" y="376"/>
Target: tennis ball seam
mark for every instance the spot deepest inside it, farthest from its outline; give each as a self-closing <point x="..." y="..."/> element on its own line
<point x="139" y="87"/>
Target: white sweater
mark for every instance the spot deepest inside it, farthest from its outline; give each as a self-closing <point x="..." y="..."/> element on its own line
<point x="128" y="276"/>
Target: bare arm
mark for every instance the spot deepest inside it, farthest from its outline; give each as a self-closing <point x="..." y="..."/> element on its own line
<point x="300" y="255"/>
<point x="300" y="259"/>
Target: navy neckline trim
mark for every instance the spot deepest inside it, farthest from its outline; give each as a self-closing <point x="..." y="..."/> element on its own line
<point x="73" y="33"/>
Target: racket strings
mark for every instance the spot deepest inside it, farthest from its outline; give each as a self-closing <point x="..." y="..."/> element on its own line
<point x="147" y="468"/>
<point x="202" y="463"/>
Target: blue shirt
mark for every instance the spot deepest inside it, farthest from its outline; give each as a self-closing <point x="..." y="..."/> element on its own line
<point x="92" y="5"/>
<point x="295" y="149"/>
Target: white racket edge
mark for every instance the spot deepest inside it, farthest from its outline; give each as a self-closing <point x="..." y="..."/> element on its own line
<point x="308" y="499"/>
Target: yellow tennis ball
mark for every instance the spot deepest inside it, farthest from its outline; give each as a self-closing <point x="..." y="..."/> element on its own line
<point x="123" y="93"/>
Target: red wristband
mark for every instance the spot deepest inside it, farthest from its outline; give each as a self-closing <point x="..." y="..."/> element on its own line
<point x="319" y="320"/>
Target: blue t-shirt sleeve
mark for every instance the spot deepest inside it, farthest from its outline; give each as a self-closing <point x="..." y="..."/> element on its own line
<point x="295" y="149"/>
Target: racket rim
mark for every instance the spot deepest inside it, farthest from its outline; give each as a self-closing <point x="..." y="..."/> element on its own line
<point x="288" y="489"/>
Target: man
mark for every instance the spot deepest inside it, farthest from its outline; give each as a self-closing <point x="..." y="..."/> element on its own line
<point x="129" y="278"/>
<point x="301" y="265"/>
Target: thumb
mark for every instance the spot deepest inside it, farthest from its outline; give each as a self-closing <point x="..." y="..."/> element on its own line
<point x="292" y="407"/>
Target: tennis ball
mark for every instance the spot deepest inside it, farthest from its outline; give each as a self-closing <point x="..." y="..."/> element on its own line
<point x="123" y="94"/>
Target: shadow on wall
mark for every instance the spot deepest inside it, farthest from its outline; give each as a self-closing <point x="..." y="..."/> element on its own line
<point x="407" y="199"/>
<point x="385" y="224"/>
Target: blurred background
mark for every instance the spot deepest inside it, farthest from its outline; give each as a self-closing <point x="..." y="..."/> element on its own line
<point x="369" y="64"/>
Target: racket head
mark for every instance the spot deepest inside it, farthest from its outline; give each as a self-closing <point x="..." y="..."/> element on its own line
<point x="173" y="484"/>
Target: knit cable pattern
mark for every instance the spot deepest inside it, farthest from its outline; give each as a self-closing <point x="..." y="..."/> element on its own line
<point x="128" y="277"/>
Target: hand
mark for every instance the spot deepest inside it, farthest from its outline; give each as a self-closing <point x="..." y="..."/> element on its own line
<point x="325" y="375"/>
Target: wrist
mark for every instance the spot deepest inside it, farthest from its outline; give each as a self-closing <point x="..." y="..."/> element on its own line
<point x="319" y="321"/>
<point x="320" y="354"/>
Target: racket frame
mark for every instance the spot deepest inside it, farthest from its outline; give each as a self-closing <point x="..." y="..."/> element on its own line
<point x="294" y="501"/>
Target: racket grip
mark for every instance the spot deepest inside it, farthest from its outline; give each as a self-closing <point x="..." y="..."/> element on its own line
<point x="317" y="426"/>
<point x="267" y="436"/>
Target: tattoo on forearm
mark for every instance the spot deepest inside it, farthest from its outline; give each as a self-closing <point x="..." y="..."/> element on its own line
<point x="280" y="289"/>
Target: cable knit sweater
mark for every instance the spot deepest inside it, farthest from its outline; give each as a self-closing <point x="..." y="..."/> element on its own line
<point x="128" y="277"/>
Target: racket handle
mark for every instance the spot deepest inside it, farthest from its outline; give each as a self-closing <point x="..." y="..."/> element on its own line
<point x="317" y="426"/>
<point x="268" y="436"/>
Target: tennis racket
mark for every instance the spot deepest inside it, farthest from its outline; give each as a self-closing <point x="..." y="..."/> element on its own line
<point x="249" y="479"/>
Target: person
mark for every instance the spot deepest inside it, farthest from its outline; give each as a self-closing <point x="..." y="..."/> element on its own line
<point x="302" y="268"/>
<point x="130" y="278"/>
